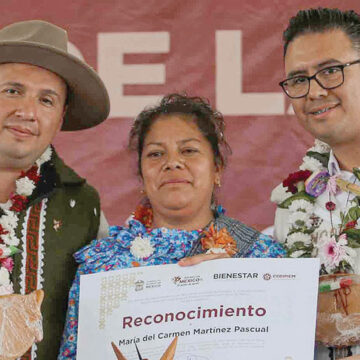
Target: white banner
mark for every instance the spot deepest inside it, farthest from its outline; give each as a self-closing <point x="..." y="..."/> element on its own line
<point x="259" y="308"/>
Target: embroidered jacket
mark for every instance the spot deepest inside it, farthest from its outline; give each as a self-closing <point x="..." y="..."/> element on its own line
<point x="62" y="216"/>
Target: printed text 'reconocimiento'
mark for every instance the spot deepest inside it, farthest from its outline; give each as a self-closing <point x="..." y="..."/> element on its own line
<point x="200" y="313"/>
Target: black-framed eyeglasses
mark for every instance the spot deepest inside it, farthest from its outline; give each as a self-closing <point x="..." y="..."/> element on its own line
<point x="328" y="78"/>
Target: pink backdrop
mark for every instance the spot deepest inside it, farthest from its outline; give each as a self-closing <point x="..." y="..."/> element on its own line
<point x="228" y="51"/>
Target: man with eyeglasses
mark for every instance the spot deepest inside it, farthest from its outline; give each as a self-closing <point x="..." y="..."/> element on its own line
<point x="319" y="204"/>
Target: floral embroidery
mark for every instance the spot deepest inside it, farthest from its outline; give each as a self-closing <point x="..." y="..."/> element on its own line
<point x="218" y="241"/>
<point x="144" y="214"/>
<point x="266" y="247"/>
<point x="57" y="224"/>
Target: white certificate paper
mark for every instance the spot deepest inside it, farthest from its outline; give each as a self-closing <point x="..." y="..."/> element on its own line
<point x="221" y="309"/>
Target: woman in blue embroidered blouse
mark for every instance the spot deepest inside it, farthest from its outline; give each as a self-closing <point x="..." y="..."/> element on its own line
<point x="181" y="152"/>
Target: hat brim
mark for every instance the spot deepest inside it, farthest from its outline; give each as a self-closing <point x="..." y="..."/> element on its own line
<point x="88" y="101"/>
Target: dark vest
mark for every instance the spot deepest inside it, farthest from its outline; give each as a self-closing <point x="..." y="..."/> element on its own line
<point x="66" y="210"/>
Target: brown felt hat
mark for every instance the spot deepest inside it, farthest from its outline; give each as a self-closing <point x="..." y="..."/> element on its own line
<point x="43" y="44"/>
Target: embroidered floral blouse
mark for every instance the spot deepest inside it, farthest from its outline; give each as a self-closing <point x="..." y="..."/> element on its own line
<point x="115" y="252"/>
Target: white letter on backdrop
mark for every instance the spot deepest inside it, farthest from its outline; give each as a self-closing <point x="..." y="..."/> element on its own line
<point x="115" y="74"/>
<point x="230" y="99"/>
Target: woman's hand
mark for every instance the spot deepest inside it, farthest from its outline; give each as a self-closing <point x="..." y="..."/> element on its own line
<point x="197" y="259"/>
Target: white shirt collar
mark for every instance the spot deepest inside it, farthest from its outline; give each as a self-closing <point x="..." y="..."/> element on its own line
<point x="334" y="169"/>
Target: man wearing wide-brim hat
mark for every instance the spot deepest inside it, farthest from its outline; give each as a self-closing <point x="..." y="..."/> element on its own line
<point x="47" y="211"/>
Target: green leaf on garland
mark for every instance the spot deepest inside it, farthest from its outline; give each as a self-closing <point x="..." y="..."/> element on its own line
<point x="353" y="237"/>
<point x="356" y="172"/>
<point x="344" y="267"/>
<point x="353" y="243"/>
<point x="342" y="217"/>
<point x="356" y="200"/>
<point x="323" y="158"/>
<point x="306" y="255"/>
<point x="302" y="195"/>
<point x="352" y="215"/>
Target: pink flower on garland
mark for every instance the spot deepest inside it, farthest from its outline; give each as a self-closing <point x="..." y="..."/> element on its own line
<point x="293" y="179"/>
<point x="7" y="263"/>
<point x="332" y="251"/>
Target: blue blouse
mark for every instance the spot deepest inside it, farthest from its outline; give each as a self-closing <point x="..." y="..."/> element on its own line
<point x="114" y="252"/>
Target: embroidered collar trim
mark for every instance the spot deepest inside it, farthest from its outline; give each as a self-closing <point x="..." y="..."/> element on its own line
<point x="213" y="240"/>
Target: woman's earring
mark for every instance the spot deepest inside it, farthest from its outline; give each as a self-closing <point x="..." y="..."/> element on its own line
<point x="218" y="182"/>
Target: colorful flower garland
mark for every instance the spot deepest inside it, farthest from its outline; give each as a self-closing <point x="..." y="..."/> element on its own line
<point x="24" y="187"/>
<point x="214" y="241"/>
<point x="298" y="193"/>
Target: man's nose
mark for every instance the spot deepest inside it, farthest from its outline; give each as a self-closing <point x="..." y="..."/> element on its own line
<point x="26" y="109"/>
<point x="316" y="91"/>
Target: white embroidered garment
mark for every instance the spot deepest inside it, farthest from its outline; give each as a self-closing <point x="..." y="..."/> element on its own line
<point x="342" y="201"/>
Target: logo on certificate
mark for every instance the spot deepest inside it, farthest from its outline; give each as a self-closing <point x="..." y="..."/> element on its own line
<point x="139" y="285"/>
<point x="267" y="276"/>
<point x="186" y="280"/>
<point x="149" y="284"/>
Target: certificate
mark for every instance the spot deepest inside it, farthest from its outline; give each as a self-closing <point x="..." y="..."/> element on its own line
<point x="221" y="309"/>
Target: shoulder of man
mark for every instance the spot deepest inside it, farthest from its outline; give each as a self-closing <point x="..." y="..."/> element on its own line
<point x="71" y="195"/>
<point x="67" y="177"/>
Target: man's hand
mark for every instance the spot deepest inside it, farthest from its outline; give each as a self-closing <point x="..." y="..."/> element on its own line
<point x="197" y="259"/>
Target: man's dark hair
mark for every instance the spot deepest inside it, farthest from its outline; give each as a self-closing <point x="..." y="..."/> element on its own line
<point x="321" y="20"/>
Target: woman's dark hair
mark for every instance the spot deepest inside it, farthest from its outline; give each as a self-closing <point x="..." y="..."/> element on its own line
<point x="210" y="122"/>
<point x="323" y="19"/>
